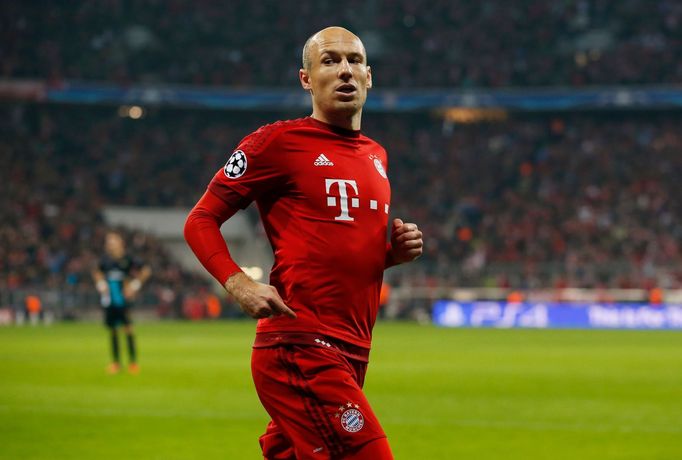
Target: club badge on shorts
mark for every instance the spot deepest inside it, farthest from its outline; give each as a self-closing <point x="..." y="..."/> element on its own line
<point x="351" y="418"/>
<point x="236" y="165"/>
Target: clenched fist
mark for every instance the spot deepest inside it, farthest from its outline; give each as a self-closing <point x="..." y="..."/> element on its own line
<point x="406" y="242"/>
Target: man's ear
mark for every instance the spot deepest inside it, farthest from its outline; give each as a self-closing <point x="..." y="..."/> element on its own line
<point x="304" y="77"/>
<point x="369" y="77"/>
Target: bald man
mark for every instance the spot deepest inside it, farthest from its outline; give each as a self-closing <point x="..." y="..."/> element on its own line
<point x="324" y="199"/>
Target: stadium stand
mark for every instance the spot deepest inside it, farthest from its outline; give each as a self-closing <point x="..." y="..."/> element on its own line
<point x="560" y="199"/>
<point x="570" y="201"/>
<point x="51" y="228"/>
<point x="411" y="43"/>
<point x="573" y="201"/>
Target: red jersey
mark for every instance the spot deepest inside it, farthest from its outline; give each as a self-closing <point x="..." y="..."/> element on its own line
<point x="324" y="198"/>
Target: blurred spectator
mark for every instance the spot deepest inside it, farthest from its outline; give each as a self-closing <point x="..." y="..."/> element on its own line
<point x="34" y="308"/>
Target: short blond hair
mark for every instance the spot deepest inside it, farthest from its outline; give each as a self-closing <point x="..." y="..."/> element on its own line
<point x="305" y="57"/>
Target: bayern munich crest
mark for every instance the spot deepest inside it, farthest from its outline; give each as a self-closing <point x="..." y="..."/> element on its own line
<point x="351" y="418"/>
<point x="379" y="166"/>
<point x="236" y="165"/>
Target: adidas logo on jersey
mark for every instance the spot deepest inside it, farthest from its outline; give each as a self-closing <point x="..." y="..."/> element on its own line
<point x="322" y="160"/>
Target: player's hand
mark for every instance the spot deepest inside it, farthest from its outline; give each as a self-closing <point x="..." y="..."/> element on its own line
<point x="406" y="242"/>
<point x="131" y="288"/>
<point x="256" y="299"/>
<point x="129" y="294"/>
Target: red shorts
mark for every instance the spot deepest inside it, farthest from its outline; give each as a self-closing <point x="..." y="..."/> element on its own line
<point x="314" y="395"/>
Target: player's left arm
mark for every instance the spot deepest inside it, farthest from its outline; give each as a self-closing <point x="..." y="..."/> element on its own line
<point x="136" y="282"/>
<point x="406" y="243"/>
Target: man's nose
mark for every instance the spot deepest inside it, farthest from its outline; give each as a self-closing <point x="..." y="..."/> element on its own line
<point x="345" y="70"/>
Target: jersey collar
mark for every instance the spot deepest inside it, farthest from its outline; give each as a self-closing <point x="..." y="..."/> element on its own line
<point x="334" y="129"/>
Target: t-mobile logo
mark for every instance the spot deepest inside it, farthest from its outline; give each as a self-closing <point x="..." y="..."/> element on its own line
<point x="343" y="197"/>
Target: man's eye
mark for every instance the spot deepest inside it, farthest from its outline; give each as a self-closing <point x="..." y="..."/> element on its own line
<point x="328" y="61"/>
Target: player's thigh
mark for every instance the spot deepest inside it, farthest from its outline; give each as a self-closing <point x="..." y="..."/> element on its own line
<point x="109" y="318"/>
<point x="276" y="446"/>
<point x="126" y="318"/>
<point x="312" y="395"/>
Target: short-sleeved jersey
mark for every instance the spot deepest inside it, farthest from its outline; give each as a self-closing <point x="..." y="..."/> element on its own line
<point x="116" y="271"/>
<point x="324" y="197"/>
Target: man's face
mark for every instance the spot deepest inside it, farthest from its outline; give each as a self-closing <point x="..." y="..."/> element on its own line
<point x="338" y="77"/>
<point x="114" y="245"/>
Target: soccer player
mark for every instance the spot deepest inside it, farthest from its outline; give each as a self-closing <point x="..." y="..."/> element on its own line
<point x="118" y="279"/>
<point x="323" y="195"/>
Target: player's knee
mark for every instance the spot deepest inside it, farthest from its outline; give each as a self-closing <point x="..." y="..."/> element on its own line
<point x="378" y="449"/>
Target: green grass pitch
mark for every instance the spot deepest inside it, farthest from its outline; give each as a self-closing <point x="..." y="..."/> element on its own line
<point x="440" y="393"/>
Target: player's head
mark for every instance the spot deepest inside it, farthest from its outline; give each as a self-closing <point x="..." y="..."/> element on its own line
<point x="114" y="244"/>
<point x="335" y="72"/>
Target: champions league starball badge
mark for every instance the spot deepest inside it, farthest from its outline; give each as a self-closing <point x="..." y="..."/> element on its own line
<point x="236" y="165"/>
<point x="351" y="418"/>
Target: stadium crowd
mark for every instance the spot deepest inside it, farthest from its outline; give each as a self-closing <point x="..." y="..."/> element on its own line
<point x="575" y="201"/>
<point x="411" y="43"/>
<point x="51" y="226"/>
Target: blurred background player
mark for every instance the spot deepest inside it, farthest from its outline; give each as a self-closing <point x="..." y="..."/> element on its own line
<point x="118" y="279"/>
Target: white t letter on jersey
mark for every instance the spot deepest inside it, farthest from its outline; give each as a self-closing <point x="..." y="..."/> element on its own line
<point x="343" y="196"/>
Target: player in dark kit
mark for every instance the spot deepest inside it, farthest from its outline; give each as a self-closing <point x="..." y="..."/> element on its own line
<point x="118" y="279"/>
<point x="324" y="197"/>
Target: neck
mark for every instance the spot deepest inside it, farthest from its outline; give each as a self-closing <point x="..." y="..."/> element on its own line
<point x="342" y="120"/>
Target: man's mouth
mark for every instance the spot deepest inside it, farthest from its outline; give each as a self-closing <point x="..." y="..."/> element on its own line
<point x="346" y="88"/>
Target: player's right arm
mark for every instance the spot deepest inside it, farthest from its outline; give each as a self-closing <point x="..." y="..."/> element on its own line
<point x="257" y="300"/>
<point x="252" y="170"/>
<point x="102" y="286"/>
<point x="202" y="232"/>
